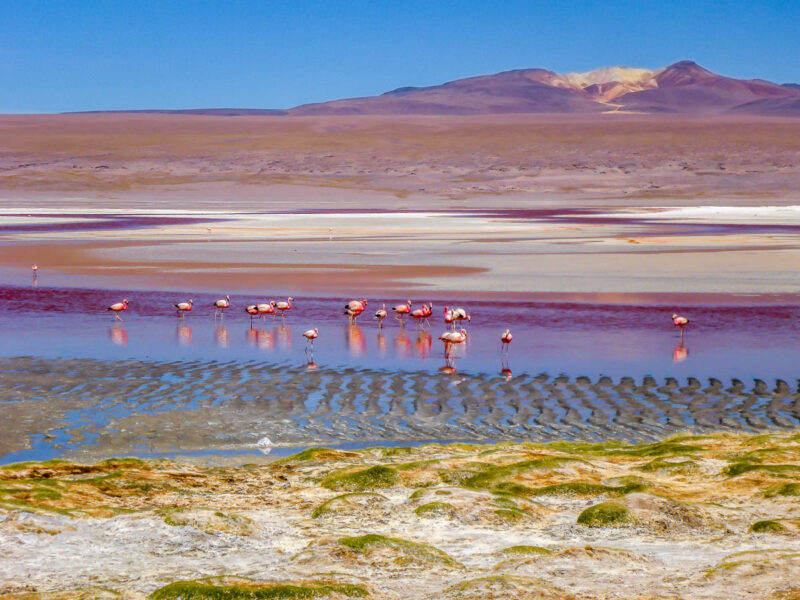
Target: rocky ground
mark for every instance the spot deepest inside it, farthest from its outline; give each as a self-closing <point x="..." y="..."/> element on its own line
<point x="688" y="517"/>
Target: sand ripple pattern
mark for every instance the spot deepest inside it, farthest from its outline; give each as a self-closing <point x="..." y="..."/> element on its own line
<point x="88" y="407"/>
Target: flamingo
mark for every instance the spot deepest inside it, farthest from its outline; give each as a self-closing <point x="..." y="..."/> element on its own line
<point x="459" y="314"/>
<point x="354" y="308"/>
<point x="451" y="338"/>
<point x="284" y="306"/>
<point x="251" y="310"/>
<point x="505" y="340"/>
<point x="221" y="305"/>
<point x="400" y="310"/>
<point x="117" y="308"/>
<point x="183" y="307"/>
<point x="34" y="268"/>
<point x="380" y="314"/>
<point x="423" y="313"/>
<point x="681" y="322"/>
<point x="310" y="336"/>
<point x="267" y="308"/>
<point x="449" y="318"/>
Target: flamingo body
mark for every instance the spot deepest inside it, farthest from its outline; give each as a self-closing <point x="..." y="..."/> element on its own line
<point x="183" y="307"/>
<point x="117" y="308"/>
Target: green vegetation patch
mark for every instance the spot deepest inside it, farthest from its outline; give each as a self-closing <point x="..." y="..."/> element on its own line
<point x="616" y="448"/>
<point x="783" y="489"/>
<point x="329" y="505"/>
<point x="319" y="454"/>
<point x="433" y="509"/>
<point x="367" y="479"/>
<point x="740" y="468"/>
<point x="204" y="589"/>
<point x="525" y="550"/>
<point x="423" y="552"/>
<point x="605" y="514"/>
<point x="662" y="464"/>
<point x="768" y="527"/>
<point x="490" y="476"/>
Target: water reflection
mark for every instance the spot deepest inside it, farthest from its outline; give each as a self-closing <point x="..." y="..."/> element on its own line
<point x="402" y="344"/>
<point x="118" y="335"/>
<point x="184" y="335"/>
<point x="284" y="335"/>
<point x="680" y="354"/>
<point x="222" y="336"/>
<point x="356" y="342"/>
<point x="423" y="344"/>
<point x="381" y="344"/>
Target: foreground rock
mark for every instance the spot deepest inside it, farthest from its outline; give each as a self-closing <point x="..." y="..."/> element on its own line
<point x="688" y="517"/>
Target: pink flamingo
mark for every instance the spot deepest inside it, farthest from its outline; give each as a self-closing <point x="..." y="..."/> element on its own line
<point x="310" y="336"/>
<point x="400" y="310"/>
<point x="221" y="305"/>
<point x="681" y="322"/>
<point x="117" y="308"/>
<point x="267" y="308"/>
<point x="505" y="340"/>
<point x="451" y="338"/>
<point x="251" y="310"/>
<point x="422" y="314"/>
<point x="284" y="306"/>
<point x="459" y="314"/>
<point x="34" y="268"/>
<point x="380" y="314"/>
<point x="449" y="318"/>
<point x="183" y="307"/>
<point x="353" y="309"/>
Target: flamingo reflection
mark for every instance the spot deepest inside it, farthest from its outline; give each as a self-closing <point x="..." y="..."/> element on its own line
<point x="356" y="342"/>
<point x="680" y="354"/>
<point x="402" y="344"/>
<point x="119" y="336"/>
<point x="381" y="344"/>
<point x="284" y="335"/>
<point x="222" y="336"/>
<point x="184" y="334"/>
<point x="423" y="344"/>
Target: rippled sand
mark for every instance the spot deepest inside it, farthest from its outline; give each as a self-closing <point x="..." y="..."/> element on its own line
<point x="701" y="517"/>
<point x="91" y="409"/>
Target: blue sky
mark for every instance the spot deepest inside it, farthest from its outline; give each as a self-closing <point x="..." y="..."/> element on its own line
<point x="80" y="55"/>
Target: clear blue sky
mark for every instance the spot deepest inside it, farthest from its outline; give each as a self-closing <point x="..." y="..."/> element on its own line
<point x="71" y="55"/>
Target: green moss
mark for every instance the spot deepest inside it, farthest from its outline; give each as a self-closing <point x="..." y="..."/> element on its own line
<point x="316" y="454"/>
<point x="488" y="478"/>
<point x="661" y="464"/>
<point x="433" y="509"/>
<point x="489" y="585"/>
<point x="740" y="468"/>
<point x="366" y="479"/>
<point x="767" y="527"/>
<point x="365" y="543"/>
<point x="443" y="492"/>
<point x="205" y="590"/>
<point x="510" y="514"/>
<point x="525" y="550"/>
<point x="783" y="489"/>
<point x="327" y="506"/>
<point x="616" y="448"/>
<point x="26" y="465"/>
<point x="606" y="514"/>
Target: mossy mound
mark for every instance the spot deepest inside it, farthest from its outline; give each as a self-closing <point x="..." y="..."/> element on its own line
<point x="350" y="502"/>
<point x="210" y="521"/>
<point x="616" y="448"/>
<point x="605" y="514"/>
<point x="742" y="467"/>
<point x="376" y="477"/>
<point x="669" y="464"/>
<point x="783" y="489"/>
<point x="435" y="509"/>
<point x="318" y="454"/>
<point x="572" y="488"/>
<point x="768" y="527"/>
<point x="503" y="587"/>
<point x="236" y="589"/>
<point x="525" y="550"/>
<point x="491" y="475"/>
<point x="404" y="551"/>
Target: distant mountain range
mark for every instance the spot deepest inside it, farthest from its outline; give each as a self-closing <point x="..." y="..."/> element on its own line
<point x="683" y="88"/>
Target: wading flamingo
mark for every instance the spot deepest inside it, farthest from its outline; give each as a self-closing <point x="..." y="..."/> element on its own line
<point x="449" y="318"/>
<point x="450" y="338"/>
<point x="354" y="308"/>
<point x="310" y="336"/>
<point x="681" y="322"/>
<point x="251" y="310"/>
<point x="380" y="314"/>
<point x="221" y="305"/>
<point x="284" y="306"/>
<point x="266" y="308"/>
<point x="505" y="340"/>
<point x="117" y="308"/>
<point x="422" y="314"/>
<point x="400" y="310"/>
<point x="183" y="307"/>
<point x="459" y="314"/>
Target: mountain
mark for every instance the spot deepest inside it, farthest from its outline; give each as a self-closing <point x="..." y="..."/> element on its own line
<point x="684" y="87"/>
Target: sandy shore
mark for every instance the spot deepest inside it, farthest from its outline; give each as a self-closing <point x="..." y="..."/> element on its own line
<point x="689" y="517"/>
